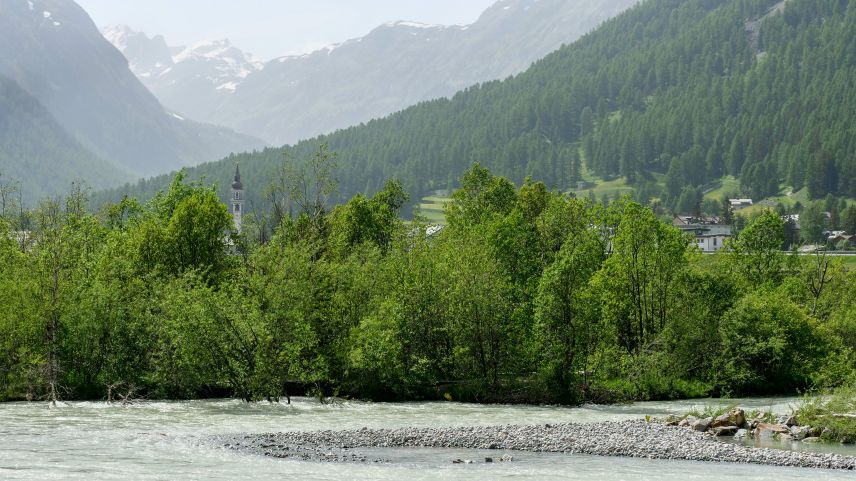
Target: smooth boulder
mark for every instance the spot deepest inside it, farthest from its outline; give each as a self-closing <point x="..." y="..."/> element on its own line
<point x="770" y="430"/>
<point x="702" y="425"/>
<point x="735" y="417"/>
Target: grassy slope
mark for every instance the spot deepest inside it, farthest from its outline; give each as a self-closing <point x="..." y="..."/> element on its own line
<point x="431" y="208"/>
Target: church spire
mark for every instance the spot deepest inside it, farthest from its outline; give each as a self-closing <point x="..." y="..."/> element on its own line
<point x="237" y="199"/>
<point x="237" y="185"/>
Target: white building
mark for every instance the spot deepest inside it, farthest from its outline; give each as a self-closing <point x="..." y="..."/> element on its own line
<point x="708" y="237"/>
<point x="737" y="204"/>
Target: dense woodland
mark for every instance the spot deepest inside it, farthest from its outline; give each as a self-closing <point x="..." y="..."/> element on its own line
<point x="671" y="95"/>
<point x="528" y="295"/>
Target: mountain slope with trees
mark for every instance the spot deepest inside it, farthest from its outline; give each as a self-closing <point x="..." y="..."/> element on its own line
<point x="393" y="67"/>
<point x="38" y="157"/>
<point x="684" y="89"/>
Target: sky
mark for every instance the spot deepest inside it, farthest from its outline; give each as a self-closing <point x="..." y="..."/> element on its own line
<point x="273" y="28"/>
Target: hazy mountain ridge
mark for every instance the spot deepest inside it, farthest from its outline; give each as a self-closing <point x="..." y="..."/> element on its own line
<point x="38" y="154"/>
<point x="194" y="81"/>
<point x="53" y="51"/>
<point x="396" y="65"/>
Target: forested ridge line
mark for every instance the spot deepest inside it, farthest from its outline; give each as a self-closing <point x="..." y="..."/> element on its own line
<point x="671" y="95"/>
<point x="528" y="295"/>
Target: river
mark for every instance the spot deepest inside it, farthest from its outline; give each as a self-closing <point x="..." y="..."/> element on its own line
<point x="169" y="440"/>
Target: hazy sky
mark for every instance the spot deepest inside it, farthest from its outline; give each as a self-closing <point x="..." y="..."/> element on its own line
<point x="271" y="28"/>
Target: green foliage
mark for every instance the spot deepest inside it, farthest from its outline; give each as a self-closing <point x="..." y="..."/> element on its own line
<point x="567" y="312"/>
<point x="711" y="411"/>
<point x="638" y="279"/>
<point x="362" y="220"/>
<point x="757" y="252"/>
<point x="848" y="222"/>
<point x="835" y="415"/>
<point x="527" y="295"/>
<point x="184" y="230"/>
<point x="813" y="223"/>
<point x="770" y="346"/>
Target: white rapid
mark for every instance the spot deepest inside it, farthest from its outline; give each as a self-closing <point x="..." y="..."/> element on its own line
<point x="169" y="440"/>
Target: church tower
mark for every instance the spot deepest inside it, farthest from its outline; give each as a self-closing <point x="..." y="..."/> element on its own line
<point x="237" y="204"/>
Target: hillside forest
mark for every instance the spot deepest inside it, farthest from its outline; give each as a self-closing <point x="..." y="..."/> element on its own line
<point x="670" y="98"/>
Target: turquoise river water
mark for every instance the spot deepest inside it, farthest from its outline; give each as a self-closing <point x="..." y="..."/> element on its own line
<point x="168" y="440"/>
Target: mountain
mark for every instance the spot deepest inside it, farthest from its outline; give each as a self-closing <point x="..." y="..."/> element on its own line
<point x="39" y="154"/>
<point x="52" y="50"/>
<point x="195" y="80"/>
<point x="396" y="65"/>
<point x="148" y="57"/>
<point x="667" y="97"/>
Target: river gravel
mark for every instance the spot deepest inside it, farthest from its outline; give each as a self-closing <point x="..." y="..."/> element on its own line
<point x="637" y="439"/>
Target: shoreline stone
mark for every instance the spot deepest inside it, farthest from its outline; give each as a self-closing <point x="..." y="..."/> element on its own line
<point x="637" y="439"/>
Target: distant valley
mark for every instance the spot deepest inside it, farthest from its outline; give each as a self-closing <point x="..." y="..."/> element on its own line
<point x="393" y="67"/>
<point x="54" y="55"/>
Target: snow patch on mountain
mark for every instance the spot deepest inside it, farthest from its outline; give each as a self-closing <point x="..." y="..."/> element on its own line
<point x="117" y="35"/>
<point x="409" y="24"/>
<point x="161" y="67"/>
<point x="222" y="57"/>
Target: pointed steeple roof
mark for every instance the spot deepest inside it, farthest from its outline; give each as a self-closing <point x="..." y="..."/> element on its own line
<point x="237" y="185"/>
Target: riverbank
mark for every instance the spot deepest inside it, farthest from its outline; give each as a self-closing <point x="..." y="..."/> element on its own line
<point x="635" y="439"/>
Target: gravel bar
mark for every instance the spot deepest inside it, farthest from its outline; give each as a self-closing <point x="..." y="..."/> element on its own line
<point x="637" y="439"/>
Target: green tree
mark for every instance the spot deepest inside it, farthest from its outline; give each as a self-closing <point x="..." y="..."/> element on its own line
<point x="586" y="122"/>
<point x="637" y="282"/>
<point x="567" y="313"/>
<point x="727" y="213"/>
<point x="848" y="222"/>
<point x="481" y="196"/>
<point x="376" y="220"/>
<point x="195" y="233"/>
<point x="757" y="252"/>
<point x="478" y="302"/>
<point x="813" y="223"/>
<point x="768" y="346"/>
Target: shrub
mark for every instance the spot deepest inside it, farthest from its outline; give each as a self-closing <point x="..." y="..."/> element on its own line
<point x="835" y="414"/>
<point x="769" y="345"/>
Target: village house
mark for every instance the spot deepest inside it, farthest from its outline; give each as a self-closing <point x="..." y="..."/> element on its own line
<point x="737" y="204"/>
<point x="685" y="220"/>
<point x="709" y="237"/>
<point x="838" y="237"/>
